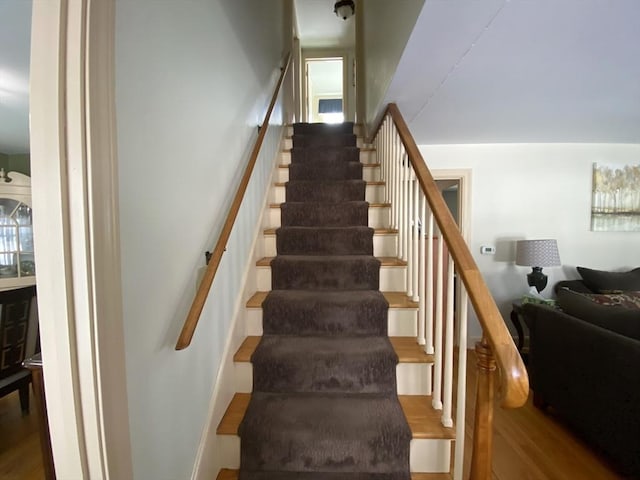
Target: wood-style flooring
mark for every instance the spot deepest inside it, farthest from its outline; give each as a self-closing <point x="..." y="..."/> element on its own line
<point x="20" y="457"/>
<point x="528" y="444"/>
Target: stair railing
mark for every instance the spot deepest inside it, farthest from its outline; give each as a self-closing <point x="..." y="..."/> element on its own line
<point x="215" y="256"/>
<point x="435" y="251"/>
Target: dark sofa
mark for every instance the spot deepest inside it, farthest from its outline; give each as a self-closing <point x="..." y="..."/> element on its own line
<point x="585" y="362"/>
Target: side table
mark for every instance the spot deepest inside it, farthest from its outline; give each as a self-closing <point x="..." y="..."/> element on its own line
<point x="518" y="322"/>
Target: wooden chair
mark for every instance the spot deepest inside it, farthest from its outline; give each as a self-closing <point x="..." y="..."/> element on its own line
<point x="18" y="338"/>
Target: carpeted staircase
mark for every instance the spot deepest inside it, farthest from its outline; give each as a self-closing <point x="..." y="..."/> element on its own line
<point x="324" y="402"/>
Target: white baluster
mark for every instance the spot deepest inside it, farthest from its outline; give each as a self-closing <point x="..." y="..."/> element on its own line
<point x="429" y="288"/>
<point x="447" y="419"/>
<point x="410" y="228"/>
<point x="416" y="236"/>
<point x="401" y="188"/>
<point x="462" y="386"/>
<point x="385" y="163"/>
<point x="396" y="201"/>
<point x="437" y="377"/>
<point x="395" y="206"/>
<point x="421" y="274"/>
<point x="405" y="204"/>
<point x="377" y="145"/>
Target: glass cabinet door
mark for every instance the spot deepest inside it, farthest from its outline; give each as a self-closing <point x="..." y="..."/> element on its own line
<point x="16" y="239"/>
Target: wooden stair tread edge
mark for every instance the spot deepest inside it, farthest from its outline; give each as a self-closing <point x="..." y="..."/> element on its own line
<point x="395" y="299"/>
<point x="423" y="419"/>
<point x="364" y="165"/>
<point x="355" y="124"/>
<point x="407" y="349"/>
<point x="228" y="474"/>
<point x="234" y="414"/>
<point x="376" y="231"/>
<point x="371" y="205"/>
<point x="377" y="183"/>
<point x="384" y="261"/>
<point x="367" y="148"/>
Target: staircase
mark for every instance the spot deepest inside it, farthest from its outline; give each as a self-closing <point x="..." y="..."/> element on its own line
<point x="331" y="382"/>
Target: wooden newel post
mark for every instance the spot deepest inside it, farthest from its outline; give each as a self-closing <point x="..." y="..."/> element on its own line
<point x="483" y="424"/>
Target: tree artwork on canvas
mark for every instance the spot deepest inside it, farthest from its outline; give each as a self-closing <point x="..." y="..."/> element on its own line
<point x="615" y="203"/>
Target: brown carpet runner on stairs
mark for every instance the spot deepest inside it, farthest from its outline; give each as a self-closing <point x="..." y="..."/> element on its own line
<point x="324" y="402"/>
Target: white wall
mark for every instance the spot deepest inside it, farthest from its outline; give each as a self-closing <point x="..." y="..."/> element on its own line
<point x="386" y="28"/>
<point x="528" y="191"/>
<point x="193" y="81"/>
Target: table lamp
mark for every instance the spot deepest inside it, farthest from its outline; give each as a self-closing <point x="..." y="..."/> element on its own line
<point x="537" y="254"/>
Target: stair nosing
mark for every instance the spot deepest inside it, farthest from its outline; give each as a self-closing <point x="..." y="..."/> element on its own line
<point x="376" y="231"/>
<point x="389" y="262"/>
<point x="371" y="204"/>
<point x="255" y="301"/>
<point x="401" y="346"/>
<point x="424" y="425"/>
<point x="230" y="474"/>
<point x="364" y="165"/>
<point x="368" y="183"/>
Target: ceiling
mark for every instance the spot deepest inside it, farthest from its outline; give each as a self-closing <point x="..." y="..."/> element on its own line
<point x="500" y="71"/>
<point x="490" y="71"/>
<point x="319" y="27"/>
<point x="15" y="34"/>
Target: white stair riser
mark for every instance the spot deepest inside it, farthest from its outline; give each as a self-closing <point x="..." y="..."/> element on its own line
<point x="383" y="245"/>
<point x="357" y="129"/>
<point x="229" y="455"/>
<point x="378" y="217"/>
<point x="369" y="174"/>
<point x="288" y="143"/>
<point x="391" y="278"/>
<point x="412" y="378"/>
<point x="366" y="156"/>
<point x="401" y="322"/>
<point x="425" y="455"/>
<point x="373" y="193"/>
<point x="430" y="455"/>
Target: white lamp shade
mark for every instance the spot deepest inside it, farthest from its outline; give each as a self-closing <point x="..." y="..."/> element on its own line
<point x="537" y="253"/>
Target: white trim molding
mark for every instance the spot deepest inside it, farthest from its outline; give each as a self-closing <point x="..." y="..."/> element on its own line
<point x="75" y="200"/>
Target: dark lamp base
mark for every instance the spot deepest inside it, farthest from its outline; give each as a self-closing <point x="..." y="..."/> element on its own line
<point x="537" y="279"/>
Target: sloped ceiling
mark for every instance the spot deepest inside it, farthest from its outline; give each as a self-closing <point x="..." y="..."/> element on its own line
<point x="15" y="41"/>
<point x="497" y="71"/>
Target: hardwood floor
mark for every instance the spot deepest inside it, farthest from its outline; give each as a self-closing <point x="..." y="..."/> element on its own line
<point x="528" y="444"/>
<point x="20" y="457"/>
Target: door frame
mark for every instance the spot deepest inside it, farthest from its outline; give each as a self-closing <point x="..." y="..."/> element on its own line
<point x="317" y="54"/>
<point x="76" y="235"/>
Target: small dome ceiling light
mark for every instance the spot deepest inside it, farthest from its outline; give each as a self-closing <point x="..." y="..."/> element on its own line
<point x="344" y="9"/>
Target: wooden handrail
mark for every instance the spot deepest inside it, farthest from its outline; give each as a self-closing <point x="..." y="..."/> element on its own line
<point x="515" y="381"/>
<point x="200" y="298"/>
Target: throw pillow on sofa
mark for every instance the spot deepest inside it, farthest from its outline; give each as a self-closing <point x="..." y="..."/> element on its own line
<point x="621" y="299"/>
<point x="607" y="282"/>
<point x="614" y="317"/>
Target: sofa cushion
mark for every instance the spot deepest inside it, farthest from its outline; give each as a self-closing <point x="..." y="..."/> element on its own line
<point x="606" y="282"/>
<point x="612" y="316"/>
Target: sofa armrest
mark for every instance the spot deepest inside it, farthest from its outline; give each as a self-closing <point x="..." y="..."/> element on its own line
<point x="591" y="376"/>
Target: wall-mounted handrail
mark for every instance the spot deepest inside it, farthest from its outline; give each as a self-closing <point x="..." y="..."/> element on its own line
<point x="515" y="381"/>
<point x="201" y="295"/>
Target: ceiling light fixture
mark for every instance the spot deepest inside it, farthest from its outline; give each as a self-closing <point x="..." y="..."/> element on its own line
<point x="344" y="9"/>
